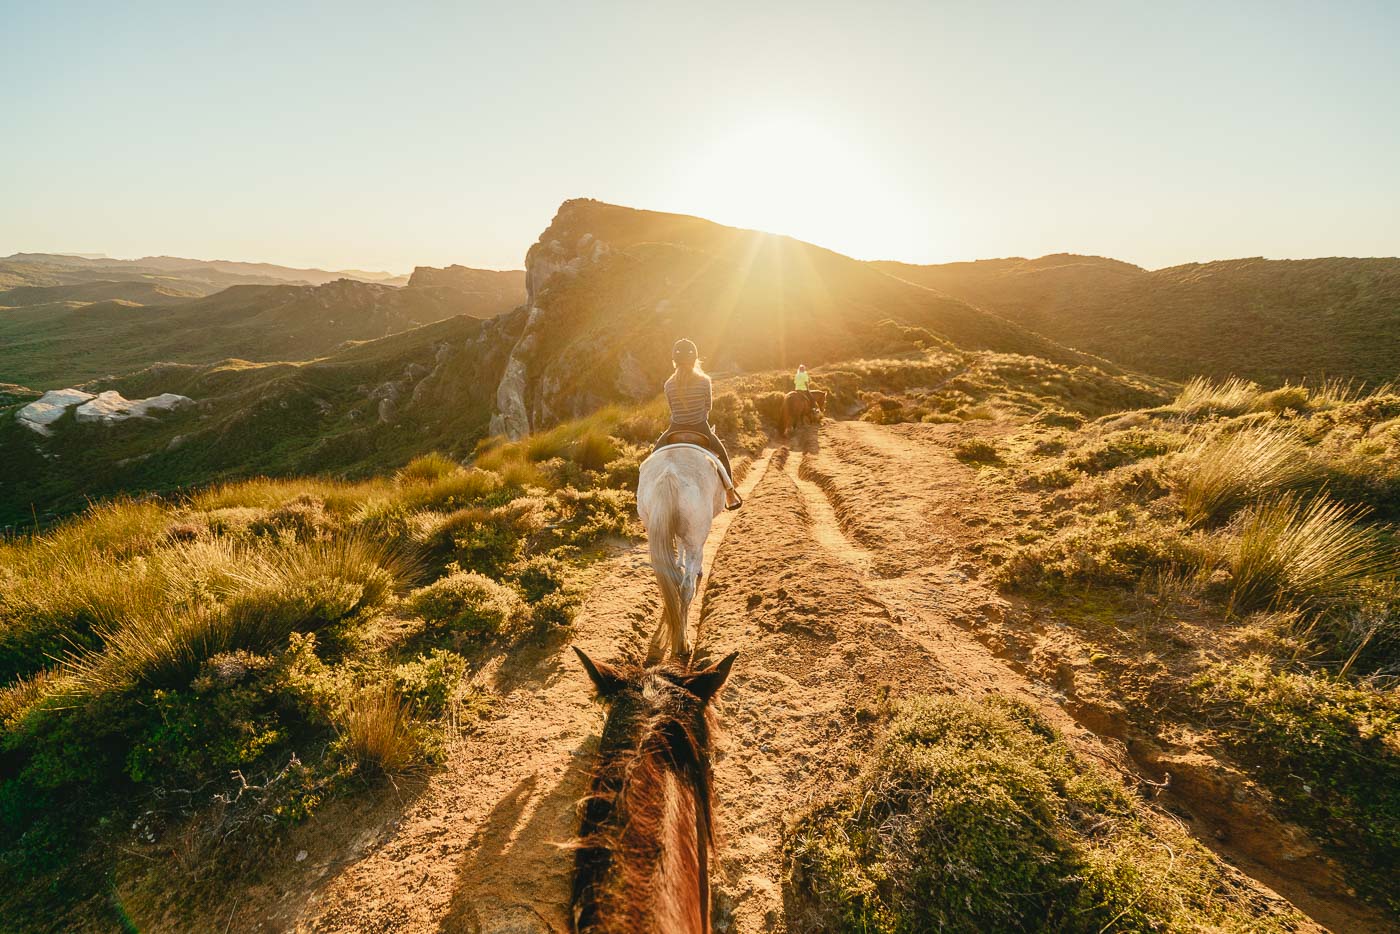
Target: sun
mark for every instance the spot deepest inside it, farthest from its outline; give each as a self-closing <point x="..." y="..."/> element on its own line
<point x="795" y="174"/>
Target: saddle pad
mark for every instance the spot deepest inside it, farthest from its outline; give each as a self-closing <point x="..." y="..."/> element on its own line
<point x="714" y="459"/>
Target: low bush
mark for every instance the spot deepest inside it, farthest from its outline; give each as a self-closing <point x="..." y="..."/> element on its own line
<point x="1113" y="548"/>
<point x="1328" y="748"/>
<point x="489" y="539"/>
<point x="976" y="816"/>
<point x="470" y="604"/>
<point x="977" y="451"/>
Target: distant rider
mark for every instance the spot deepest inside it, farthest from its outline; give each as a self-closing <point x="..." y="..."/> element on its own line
<point x="803" y="383"/>
<point x="690" y="396"/>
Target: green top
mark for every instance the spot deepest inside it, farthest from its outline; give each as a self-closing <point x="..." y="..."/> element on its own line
<point x="803" y="380"/>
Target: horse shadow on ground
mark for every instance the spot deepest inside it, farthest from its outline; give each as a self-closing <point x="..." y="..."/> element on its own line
<point x="517" y="870"/>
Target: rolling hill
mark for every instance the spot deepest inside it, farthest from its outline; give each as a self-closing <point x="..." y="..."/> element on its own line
<point x="205" y="275"/>
<point x="58" y="344"/>
<point x="1265" y="320"/>
<point x="596" y="329"/>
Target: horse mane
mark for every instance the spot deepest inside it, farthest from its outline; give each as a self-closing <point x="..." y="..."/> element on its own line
<point x="622" y="813"/>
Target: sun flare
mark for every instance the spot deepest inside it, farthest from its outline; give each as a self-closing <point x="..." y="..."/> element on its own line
<point x="795" y="174"/>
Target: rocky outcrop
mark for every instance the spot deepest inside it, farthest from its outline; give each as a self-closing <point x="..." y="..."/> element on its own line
<point x="108" y="408"/>
<point x="105" y="408"/>
<point x="560" y="252"/>
<point x="40" y="414"/>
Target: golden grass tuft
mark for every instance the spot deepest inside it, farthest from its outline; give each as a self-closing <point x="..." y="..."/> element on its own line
<point x="1220" y="474"/>
<point x="376" y="731"/>
<point x="1292" y="550"/>
<point x="1232" y="396"/>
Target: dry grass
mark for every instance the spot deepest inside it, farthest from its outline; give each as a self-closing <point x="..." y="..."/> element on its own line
<point x="1220" y="474"/>
<point x="376" y="731"/>
<point x="1228" y="397"/>
<point x="1289" y="549"/>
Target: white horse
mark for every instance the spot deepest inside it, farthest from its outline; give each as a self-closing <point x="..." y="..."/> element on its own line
<point x="680" y="490"/>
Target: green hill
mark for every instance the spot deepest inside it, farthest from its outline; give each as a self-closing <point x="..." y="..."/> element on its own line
<point x="55" y="345"/>
<point x="1265" y="320"/>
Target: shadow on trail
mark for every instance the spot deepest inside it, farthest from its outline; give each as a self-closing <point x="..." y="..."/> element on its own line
<point x="516" y="873"/>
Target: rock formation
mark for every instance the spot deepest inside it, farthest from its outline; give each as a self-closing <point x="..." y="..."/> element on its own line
<point x="105" y="408"/>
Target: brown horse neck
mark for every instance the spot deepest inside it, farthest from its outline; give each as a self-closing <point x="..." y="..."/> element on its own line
<point x="643" y="858"/>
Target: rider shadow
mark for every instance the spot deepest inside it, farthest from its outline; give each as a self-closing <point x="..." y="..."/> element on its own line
<point x="517" y="869"/>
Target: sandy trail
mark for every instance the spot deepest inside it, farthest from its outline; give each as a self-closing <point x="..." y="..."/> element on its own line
<point x="848" y="574"/>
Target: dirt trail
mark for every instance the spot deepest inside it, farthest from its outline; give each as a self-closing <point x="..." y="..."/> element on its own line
<point x="848" y="570"/>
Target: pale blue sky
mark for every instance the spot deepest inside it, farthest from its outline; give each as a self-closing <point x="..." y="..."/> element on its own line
<point x="387" y="135"/>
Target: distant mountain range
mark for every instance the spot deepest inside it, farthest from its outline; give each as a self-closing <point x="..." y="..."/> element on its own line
<point x="70" y="268"/>
<point x="1266" y="320"/>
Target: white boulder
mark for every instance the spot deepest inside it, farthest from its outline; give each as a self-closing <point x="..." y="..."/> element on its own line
<point x="110" y="407"/>
<point x="49" y="408"/>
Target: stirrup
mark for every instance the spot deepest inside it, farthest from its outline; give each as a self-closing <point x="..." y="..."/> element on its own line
<point x="731" y="508"/>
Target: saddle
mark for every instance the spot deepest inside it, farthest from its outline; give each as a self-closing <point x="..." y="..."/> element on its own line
<point x="685" y="436"/>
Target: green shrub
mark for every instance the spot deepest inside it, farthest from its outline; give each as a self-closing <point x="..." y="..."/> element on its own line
<point x="540" y="576"/>
<point x="976" y="816"/>
<point x="490" y="539"/>
<point x="430" y="682"/>
<point x="470" y="604"/>
<point x="584" y="516"/>
<point x="1115" y="548"/>
<point x="1122" y="448"/>
<point x="1328" y="748"/>
<point x="977" y="451"/>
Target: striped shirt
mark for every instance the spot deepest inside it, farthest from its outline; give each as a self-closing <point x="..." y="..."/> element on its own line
<point x="690" y="400"/>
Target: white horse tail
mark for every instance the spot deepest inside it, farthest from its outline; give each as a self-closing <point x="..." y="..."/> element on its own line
<point x="664" y="543"/>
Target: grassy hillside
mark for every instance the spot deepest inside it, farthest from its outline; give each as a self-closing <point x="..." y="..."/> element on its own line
<point x="136" y="292"/>
<point x="52" y="346"/>
<point x="1265" y="320"/>
<point x="367" y="407"/>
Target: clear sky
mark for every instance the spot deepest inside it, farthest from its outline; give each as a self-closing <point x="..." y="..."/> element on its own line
<point x="385" y="135"/>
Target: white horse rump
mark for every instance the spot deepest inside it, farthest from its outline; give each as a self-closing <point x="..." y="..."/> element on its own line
<point x="679" y="493"/>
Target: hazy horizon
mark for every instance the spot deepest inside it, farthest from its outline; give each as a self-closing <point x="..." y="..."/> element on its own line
<point x="327" y="137"/>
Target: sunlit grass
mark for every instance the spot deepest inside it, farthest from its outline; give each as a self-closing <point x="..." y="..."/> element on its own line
<point x="376" y="730"/>
<point x="1303" y="551"/>
<point x="1220" y="474"/>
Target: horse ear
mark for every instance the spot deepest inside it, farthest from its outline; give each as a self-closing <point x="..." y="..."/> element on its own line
<point x="605" y="678"/>
<point x="705" y="684"/>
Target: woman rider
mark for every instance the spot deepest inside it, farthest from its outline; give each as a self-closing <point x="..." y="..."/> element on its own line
<point x="690" y="397"/>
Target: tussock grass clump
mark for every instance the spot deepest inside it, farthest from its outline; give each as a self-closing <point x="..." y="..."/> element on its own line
<point x="1204" y="396"/>
<point x="376" y="731"/>
<point x="1220" y="474"/>
<point x="471" y="604"/>
<point x="976" y="816"/>
<point x="1303" y="551"/>
<point x="426" y="468"/>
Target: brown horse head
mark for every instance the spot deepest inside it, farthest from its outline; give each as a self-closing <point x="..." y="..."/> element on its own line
<point x="642" y="862"/>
